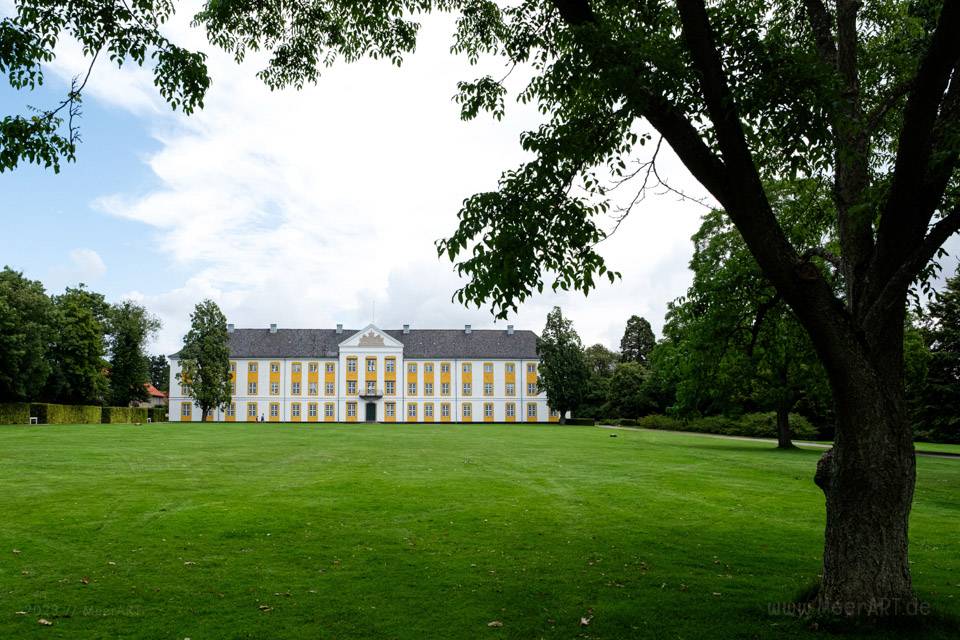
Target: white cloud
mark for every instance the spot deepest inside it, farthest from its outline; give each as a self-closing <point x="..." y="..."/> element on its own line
<point x="83" y="266"/>
<point x="306" y="208"/>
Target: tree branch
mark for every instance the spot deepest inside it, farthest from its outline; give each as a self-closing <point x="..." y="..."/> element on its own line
<point x="902" y="222"/>
<point x="821" y="23"/>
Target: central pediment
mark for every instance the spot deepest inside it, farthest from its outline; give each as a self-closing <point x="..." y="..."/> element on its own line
<point x="371" y="337"/>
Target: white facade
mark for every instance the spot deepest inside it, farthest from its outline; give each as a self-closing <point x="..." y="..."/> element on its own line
<point x="359" y="386"/>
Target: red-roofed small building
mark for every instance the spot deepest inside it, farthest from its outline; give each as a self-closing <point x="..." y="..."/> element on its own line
<point x="155" y="397"/>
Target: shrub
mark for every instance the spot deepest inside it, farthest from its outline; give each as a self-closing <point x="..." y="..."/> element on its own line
<point x="46" y="413"/>
<point x="753" y="425"/>
<point x="158" y="414"/>
<point x="124" y="415"/>
<point x="14" y="413"/>
<point x="581" y="422"/>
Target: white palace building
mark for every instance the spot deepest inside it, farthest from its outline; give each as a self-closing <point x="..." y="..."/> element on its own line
<point x="376" y="375"/>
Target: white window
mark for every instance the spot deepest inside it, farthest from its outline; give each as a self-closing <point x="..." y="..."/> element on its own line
<point x="252" y="388"/>
<point x="328" y="410"/>
<point x="488" y="367"/>
<point x="275" y="367"/>
<point x="352" y="387"/>
<point x="511" y="410"/>
<point x="467" y="388"/>
<point x="297" y="367"/>
<point x="531" y="388"/>
<point x="444" y="367"/>
<point x="233" y="367"/>
<point x="444" y="388"/>
<point x="274" y="410"/>
<point x="295" y="410"/>
<point x="251" y="409"/>
<point x="467" y="410"/>
<point x="390" y="409"/>
<point x="428" y="410"/>
<point x="351" y="364"/>
<point x="532" y="410"/>
<point x="233" y="387"/>
<point x="411" y="410"/>
<point x="352" y="409"/>
<point x="390" y="365"/>
<point x="445" y="409"/>
<point x="412" y="389"/>
<point x="252" y="367"/>
<point x="295" y="388"/>
<point x="232" y="409"/>
<point x="371" y="364"/>
<point x="428" y="368"/>
<point x="467" y="367"/>
<point x="274" y="388"/>
<point x="328" y="389"/>
<point x="391" y="387"/>
<point x="183" y="390"/>
<point x="312" y="388"/>
<point x="488" y="388"/>
<point x="554" y="413"/>
<point x="313" y="367"/>
<point x="428" y="388"/>
<point x="511" y="389"/>
<point x="329" y="367"/>
<point x="531" y="367"/>
<point x="411" y="367"/>
<point x="509" y="367"/>
<point x="312" y="409"/>
<point x="371" y="387"/>
<point x="186" y="409"/>
<point x="488" y="410"/>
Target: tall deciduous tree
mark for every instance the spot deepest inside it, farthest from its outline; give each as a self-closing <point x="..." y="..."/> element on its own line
<point x="26" y="317"/>
<point x="205" y="358"/>
<point x="160" y="372"/>
<point x="563" y="371"/>
<point x="637" y="341"/>
<point x="130" y="327"/>
<point x="77" y="354"/>
<point x="627" y="393"/>
<point x="864" y="95"/>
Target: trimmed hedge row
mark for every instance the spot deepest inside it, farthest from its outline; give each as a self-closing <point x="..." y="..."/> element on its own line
<point x="46" y="413"/>
<point x="754" y="425"/>
<point x="581" y="422"/>
<point x="158" y="414"/>
<point x="15" y="413"/>
<point x="124" y="415"/>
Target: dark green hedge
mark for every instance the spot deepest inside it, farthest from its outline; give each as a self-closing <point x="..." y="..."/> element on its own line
<point x="582" y="422"/>
<point x="65" y="413"/>
<point x="123" y="415"/>
<point x="14" y="413"/>
<point x="158" y="414"/>
<point x="754" y="425"/>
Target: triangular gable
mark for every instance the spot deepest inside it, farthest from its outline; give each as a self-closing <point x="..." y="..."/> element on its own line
<point x="373" y="337"/>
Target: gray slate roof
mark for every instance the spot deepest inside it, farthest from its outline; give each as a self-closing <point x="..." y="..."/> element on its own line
<point x="419" y="343"/>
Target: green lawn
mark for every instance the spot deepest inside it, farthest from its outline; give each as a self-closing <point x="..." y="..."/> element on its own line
<point x="333" y="531"/>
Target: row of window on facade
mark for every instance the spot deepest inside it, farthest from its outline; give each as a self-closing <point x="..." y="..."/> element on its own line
<point x="390" y="409"/>
<point x="390" y="389"/>
<point x="389" y="366"/>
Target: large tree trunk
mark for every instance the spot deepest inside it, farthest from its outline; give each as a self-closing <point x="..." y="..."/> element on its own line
<point x="868" y="478"/>
<point x="784" y="440"/>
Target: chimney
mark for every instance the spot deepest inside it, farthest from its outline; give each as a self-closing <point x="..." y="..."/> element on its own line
<point x="339" y="328"/>
<point x="466" y="329"/>
<point x="406" y="329"/>
<point x="273" y="328"/>
<point x="230" y="328"/>
<point x="509" y="329"/>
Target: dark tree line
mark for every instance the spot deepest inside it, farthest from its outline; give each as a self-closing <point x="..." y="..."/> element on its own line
<point x="71" y="348"/>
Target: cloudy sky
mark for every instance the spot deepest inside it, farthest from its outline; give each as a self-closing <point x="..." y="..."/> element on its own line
<point x="302" y="208"/>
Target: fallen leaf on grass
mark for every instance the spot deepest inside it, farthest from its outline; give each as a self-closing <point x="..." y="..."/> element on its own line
<point x="21" y="613"/>
<point x="265" y="607"/>
<point x="495" y="624"/>
<point x="45" y="622"/>
<point x="585" y="621"/>
<point x="85" y="580"/>
<point x="16" y="551"/>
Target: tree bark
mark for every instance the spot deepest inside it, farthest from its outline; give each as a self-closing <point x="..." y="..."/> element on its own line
<point x="784" y="440"/>
<point x="868" y="479"/>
